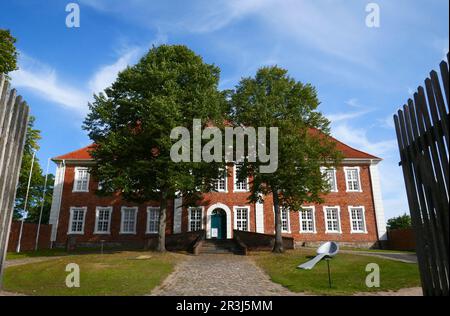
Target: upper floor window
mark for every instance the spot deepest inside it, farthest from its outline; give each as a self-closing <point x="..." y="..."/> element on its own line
<point x="357" y="219"/>
<point x="332" y="219"/>
<point x="330" y="176"/>
<point x="352" y="179"/>
<point x="307" y="220"/>
<point x="103" y="220"/>
<point x="152" y="220"/>
<point x="195" y="218"/>
<point x="241" y="216"/>
<point x="77" y="217"/>
<point x="220" y="185"/>
<point x="81" y="182"/>
<point x="239" y="186"/>
<point x="128" y="220"/>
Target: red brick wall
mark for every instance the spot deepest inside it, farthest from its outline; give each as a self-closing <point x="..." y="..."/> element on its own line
<point x="28" y="239"/>
<point x="91" y="201"/>
<point x="342" y="199"/>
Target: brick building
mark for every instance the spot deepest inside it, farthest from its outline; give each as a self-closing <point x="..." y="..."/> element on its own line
<point x="352" y="213"/>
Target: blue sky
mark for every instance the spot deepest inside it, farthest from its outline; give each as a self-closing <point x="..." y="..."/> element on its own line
<point x="363" y="75"/>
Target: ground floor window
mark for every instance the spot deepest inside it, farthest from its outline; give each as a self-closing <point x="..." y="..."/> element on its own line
<point x="242" y="215"/>
<point x="195" y="218"/>
<point x="332" y="220"/>
<point x="285" y="225"/>
<point x="103" y="220"/>
<point x="357" y="220"/>
<point x="152" y="220"/>
<point x="307" y="220"/>
<point x="77" y="216"/>
<point x="128" y="220"/>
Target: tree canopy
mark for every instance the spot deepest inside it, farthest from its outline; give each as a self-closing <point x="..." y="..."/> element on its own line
<point x="131" y="124"/>
<point x="273" y="99"/>
<point x="399" y="222"/>
<point x="8" y="52"/>
<point x="37" y="181"/>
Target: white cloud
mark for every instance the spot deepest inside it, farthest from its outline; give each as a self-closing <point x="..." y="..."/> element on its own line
<point x="45" y="82"/>
<point x="106" y="75"/>
<point x="358" y="138"/>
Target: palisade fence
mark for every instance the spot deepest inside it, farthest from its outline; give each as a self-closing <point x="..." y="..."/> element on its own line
<point x="13" y="126"/>
<point x="422" y="134"/>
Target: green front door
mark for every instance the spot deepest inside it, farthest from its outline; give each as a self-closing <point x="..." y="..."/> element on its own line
<point x="217" y="225"/>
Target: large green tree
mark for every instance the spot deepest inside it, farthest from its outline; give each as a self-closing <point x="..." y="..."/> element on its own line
<point x="274" y="99"/>
<point x="8" y="52"/>
<point x="37" y="181"/>
<point x="132" y="121"/>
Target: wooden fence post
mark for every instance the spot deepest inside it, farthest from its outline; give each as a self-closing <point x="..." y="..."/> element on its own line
<point x="423" y="140"/>
<point x="13" y="127"/>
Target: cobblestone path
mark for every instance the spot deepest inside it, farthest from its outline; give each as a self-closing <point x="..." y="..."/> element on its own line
<point x="219" y="275"/>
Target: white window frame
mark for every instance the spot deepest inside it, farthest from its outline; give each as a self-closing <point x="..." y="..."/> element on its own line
<point x="97" y="218"/>
<point x="190" y="219"/>
<point x="84" y="209"/>
<point x="288" y="219"/>
<point x="75" y="179"/>
<point x="147" y="230"/>
<point x="358" y="169"/>
<point x="235" y="189"/>
<point x="300" y="220"/>
<point x="352" y="229"/>
<point x="324" y="170"/>
<point x="327" y="231"/>
<point x="122" y="209"/>
<point x="235" y="208"/>
<point x="216" y="187"/>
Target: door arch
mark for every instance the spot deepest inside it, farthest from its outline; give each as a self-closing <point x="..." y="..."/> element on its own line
<point x="227" y="211"/>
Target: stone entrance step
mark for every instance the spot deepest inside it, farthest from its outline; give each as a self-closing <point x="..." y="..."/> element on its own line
<point x="213" y="246"/>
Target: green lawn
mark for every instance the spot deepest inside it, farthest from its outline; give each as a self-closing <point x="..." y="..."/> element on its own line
<point x="120" y="273"/>
<point x="347" y="270"/>
<point x="57" y="252"/>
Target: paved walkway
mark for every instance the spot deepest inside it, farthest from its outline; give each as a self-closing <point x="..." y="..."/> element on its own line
<point x="396" y="256"/>
<point x="219" y="275"/>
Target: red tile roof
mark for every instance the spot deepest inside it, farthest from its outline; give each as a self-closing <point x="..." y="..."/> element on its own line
<point x="347" y="151"/>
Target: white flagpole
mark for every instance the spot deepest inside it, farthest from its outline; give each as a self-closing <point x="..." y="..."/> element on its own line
<point x="42" y="206"/>
<point x="26" y="202"/>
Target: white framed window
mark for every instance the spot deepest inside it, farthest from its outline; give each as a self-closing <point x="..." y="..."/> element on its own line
<point x="152" y="220"/>
<point x="195" y="218"/>
<point x="242" y="218"/>
<point x="128" y="220"/>
<point x="81" y="180"/>
<point x="352" y="179"/>
<point x="307" y="219"/>
<point x="332" y="215"/>
<point x="330" y="176"/>
<point x="77" y="219"/>
<point x="357" y="219"/>
<point x="285" y="221"/>
<point x="103" y="220"/>
<point x="220" y="185"/>
<point x="239" y="186"/>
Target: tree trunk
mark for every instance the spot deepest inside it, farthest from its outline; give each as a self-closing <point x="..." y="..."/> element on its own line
<point x="278" y="246"/>
<point x="161" y="247"/>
